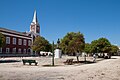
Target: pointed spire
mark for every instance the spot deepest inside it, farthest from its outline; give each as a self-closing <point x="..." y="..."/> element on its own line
<point x="35" y="17"/>
<point x="35" y="27"/>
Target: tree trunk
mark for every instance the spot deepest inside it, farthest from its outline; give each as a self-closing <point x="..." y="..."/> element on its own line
<point x="77" y="58"/>
<point x="85" y="57"/>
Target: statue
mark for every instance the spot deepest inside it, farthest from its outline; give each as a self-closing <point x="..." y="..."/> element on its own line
<point x="58" y="42"/>
<point x="58" y="52"/>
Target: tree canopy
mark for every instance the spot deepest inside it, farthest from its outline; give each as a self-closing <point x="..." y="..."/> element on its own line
<point x="114" y="49"/>
<point x="87" y="48"/>
<point x="72" y="42"/>
<point x="41" y="44"/>
<point x="2" y="40"/>
<point x="101" y="45"/>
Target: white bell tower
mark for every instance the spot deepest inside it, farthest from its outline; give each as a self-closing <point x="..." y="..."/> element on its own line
<point x="35" y="27"/>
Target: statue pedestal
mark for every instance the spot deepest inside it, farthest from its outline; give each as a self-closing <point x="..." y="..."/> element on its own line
<point x="58" y="53"/>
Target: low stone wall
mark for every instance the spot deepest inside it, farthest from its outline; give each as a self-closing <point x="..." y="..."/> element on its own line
<point x="15" y="55"/>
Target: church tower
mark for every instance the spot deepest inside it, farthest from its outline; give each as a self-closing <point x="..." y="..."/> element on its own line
<point x="35" y="27"/>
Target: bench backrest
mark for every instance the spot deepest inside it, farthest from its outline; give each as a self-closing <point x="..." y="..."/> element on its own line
<point x="29" y="61"/>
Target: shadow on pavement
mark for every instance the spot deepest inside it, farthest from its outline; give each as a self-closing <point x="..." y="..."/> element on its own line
<point x="50" y="65"/>
<point x="84" y="62"/>
<point x="9" y="61"/>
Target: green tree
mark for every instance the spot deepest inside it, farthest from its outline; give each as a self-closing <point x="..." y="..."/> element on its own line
<point x="94" y="46"/>
<point x="114" y="49"/>
<point x="41" y="44"/>
<point x="72" y="43"/>
<point x="102" y="45"/>
<point x="2" y="40"/>
<point x="87" y="48"/>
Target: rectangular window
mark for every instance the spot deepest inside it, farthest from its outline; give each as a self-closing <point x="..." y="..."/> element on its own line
<point x="14" y="40"/>
<point x="29" y="43"/>
<point x="14" y="50"/>
<point x="24" y="51"/>
<point x="7" y="40"/>
<point x="24" y="42"/>
<point x="20" y="41"/>
<point x="7" y="50"/>
<point x="19" y="50"/>
<point x="0" y="50"/>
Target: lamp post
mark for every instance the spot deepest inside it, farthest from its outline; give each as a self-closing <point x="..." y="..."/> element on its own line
<point x="53" y="53"/>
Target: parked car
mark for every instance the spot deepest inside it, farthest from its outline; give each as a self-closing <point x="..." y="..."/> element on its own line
<point x="107" y="55"/>
<point x="104" y="55"/>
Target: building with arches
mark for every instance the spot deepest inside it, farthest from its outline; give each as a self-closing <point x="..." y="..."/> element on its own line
<point x="18" y="43"/>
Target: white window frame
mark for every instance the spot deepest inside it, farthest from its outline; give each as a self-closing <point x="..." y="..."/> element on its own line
<point x="14" y="40"/>
<point x="14" y="50"/>
<point x="0" y="50"/>
<point x="24" y="42"/>
<point x="19" y="41"/>
<point x="29" y="42"/>
<point x="7" y="40"/>
<point x="24" y="51"/>
<point x="7" y="50"/>
<point x="19" y="50"/>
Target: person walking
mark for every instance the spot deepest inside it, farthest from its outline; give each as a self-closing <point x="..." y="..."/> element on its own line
<point x="94" y="57"/>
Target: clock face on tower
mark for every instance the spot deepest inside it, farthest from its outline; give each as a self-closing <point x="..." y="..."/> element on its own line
<point x="35" y="27"/>
<point x="32" y="28"/>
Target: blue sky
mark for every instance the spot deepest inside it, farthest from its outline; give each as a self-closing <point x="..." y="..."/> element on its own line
<point x="93" y="18"/>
